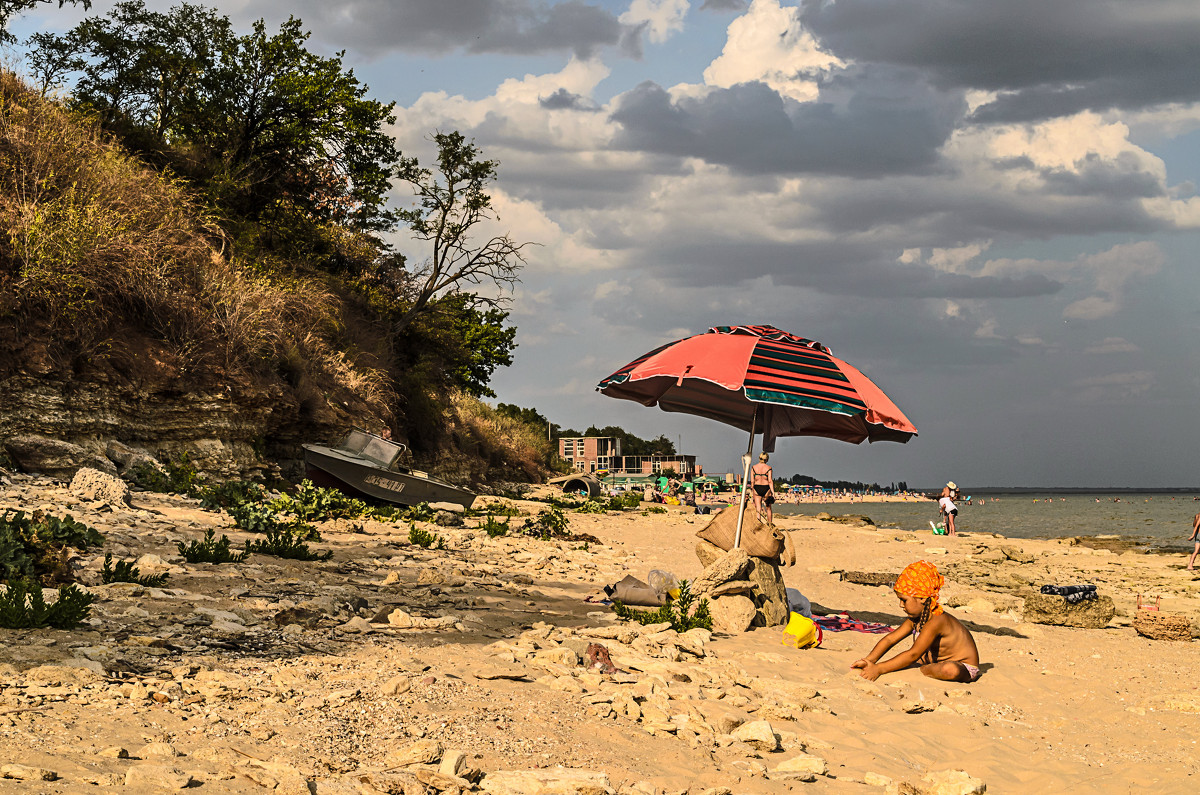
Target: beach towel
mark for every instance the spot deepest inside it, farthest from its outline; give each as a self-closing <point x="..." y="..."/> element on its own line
<point x="1074" y="594"/>
<point x="848" y="624"/>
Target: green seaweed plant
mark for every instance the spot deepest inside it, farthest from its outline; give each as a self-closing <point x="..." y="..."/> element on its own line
<point x="210" y="550"/>
<point x="683" y="613"/>
<point x="23" y="607"/>
<point x="126" y="571"/>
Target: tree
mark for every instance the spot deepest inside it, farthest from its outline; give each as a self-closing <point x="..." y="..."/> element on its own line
<point x="528" y="416"/>
<point x="456" y="344"/>
<point x="13" y="8"/>
<point x="271" y="127"/>
<point x="451" y="204"/>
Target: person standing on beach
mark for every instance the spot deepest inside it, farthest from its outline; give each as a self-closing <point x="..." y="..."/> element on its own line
<point x="949" y="509"/>
<point x="1195" y="537"/>
<point x="762" y="482"/>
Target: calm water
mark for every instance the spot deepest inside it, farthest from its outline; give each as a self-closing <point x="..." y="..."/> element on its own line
<point x="1158" y="520"/>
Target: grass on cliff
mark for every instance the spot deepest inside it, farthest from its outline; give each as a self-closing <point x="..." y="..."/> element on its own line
<point x="111" y="261"/>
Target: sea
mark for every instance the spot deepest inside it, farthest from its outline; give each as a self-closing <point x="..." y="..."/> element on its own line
<point x="1151" y="521"/>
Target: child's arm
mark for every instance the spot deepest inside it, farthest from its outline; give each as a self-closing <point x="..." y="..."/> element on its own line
<point x="930" y="633"/>
<point x="1195" y="526"/>
<point x="885" y="643"/>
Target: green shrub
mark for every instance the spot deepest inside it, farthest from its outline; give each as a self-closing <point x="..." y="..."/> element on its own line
<point x="626" y="499"/>
<point x="34" y="547"/>
<point x="284" y="543"/>
<point x="683" y="613"/>
<point x="592" y="506"/>
<point x="257" y="518"/>
<point x="421" y="512"/>
<point x="311" y="503"/>
<point x="179" y="476"/>
<point x="22" y="607"/>
<point x="506" y="509"/>
<point x="125" y="571"/>
<point x="210" y="550"/>
<point x="495" y="529"/>
<point x="550" y="523"/>
<point x="654" y="509"/>
<point x="230" y="494"/>
<point x="424" y="538"/>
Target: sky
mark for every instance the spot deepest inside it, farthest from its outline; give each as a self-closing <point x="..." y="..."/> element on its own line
<point x="989" y="208"/>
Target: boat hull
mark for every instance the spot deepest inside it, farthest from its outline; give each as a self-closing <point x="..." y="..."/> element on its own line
<point x="358" y="478"/>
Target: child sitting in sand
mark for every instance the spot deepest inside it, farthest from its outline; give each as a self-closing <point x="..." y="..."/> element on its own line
<point x="941" y="644"/>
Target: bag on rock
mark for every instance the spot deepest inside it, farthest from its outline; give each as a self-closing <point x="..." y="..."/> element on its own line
<point x="759" y="540"/>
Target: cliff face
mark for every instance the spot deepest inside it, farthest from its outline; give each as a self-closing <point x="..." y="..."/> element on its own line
<point x="242" y="431"/>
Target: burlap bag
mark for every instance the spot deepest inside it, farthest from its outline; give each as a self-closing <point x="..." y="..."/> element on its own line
<point x="758" y="540"/>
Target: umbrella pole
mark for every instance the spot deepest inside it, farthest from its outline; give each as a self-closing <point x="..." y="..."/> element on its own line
<point x="737" y="539"/>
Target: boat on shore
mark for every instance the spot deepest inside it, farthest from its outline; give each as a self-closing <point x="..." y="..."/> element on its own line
<point x="366" y="465"/>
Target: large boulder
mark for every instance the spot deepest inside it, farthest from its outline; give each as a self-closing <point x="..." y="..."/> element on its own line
<point x="769" y="593"/>
<point x="53" y="457"/>
<point x="730" y="566"/>
<point x="127" y="458"/>
<point x="1050" y="609"/>
<point x="732" y="614"/>
<point x="96" y="486"/>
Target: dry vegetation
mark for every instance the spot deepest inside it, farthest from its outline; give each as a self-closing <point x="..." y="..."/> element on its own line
<point x="111" y="264"/>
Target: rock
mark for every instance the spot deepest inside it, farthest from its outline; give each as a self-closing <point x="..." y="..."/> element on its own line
<point x="126" y="457"/>
<point x="801" y="766"/>
<point x="721" y="718"/>
<point x="915" y="707"/>
<point x="26" y="773"/>
<point x="734" y="587"/>
<point x="770" y="594"/>
<point x="114" y="752"/>
<point x="952" y="782"/>
<point x="157" y="777"/>
<point x="552" y="781"/>
<point x="1016" y="554"/>
<point x="358" y="624"/>
<point x="52" y="457"/>
<point x="447" y="519"/>
<point x="730" y="566"/>
<point x="1055" y="610"/>
<point x="96" y="486"/>
<point x="158" y="750"/>
<point x="708" y="553"/>
<point x="422" y="752"/>
<point x="757" y="734"/>
<point x="298" y="615"/>
<point x="732" y="614"/>
<point x="450" y="507"/>
<point x="396" y="685"/>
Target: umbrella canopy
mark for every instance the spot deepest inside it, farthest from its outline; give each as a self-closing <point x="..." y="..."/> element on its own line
<point x="759" y="378"/>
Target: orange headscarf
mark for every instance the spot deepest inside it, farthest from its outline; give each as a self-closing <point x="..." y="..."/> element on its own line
<point x="921" y="579"/>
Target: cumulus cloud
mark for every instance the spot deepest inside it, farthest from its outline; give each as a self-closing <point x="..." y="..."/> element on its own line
<point x="769" y="45"/>
<point x="513" y="27"/>
<point x="658" y="18"/>
<point x="1041" y="59"/>
<point x="867" y="121"/>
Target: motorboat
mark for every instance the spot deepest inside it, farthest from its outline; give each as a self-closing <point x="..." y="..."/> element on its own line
<point x="367" y="465"/>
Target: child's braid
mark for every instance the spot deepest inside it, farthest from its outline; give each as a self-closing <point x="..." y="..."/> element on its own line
<point x="925" y="611"/>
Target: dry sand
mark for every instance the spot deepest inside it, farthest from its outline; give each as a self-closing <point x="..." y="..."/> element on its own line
<point x="200" y="682"/>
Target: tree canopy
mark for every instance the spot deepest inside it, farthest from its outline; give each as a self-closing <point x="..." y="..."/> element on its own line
<point x="269" y="125"/>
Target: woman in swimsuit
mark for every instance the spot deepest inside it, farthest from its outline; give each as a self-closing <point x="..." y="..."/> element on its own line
<point x="762" y="481"/>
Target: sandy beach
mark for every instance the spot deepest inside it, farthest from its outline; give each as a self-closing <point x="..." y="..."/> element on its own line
<point x="393" y="668"/>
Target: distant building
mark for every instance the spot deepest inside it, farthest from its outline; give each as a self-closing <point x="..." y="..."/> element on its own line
<point x="590" y="453"/>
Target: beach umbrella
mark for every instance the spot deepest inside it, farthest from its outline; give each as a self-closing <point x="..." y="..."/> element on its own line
<point x="762" y="380"/>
